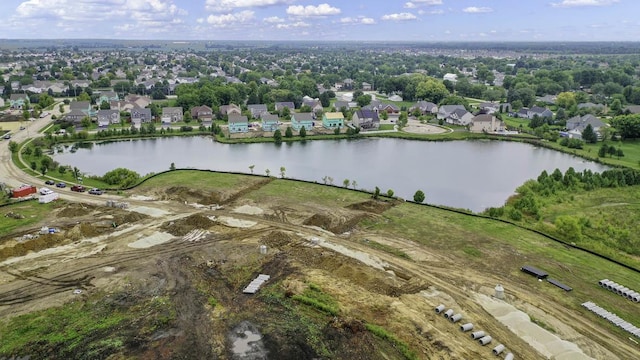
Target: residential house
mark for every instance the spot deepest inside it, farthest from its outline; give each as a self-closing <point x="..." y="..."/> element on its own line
<point x="231" y="109"/>
<point x="302" y="120"/>
<point x="75" y="116"/>
<point x="494" y="107"/>
<point x="257" y="110"/>
<point x="577" y="124"/>
<point x="548" y="99"/>
<point x="632" y="109"/>
<point x="425" y="107"/>
<point x="18" y="101"/>
<point x="172" y="114"/>
<point x="202" y="113"/>
<point x="445" y="110"/>
<point x="338" y="105"/>
<point x="389" y="108"/>
<point x="285" y="104"/>
<point x="538" y="111"/>
<point x="315" y="105"/>
<point x="366" y="86"/>
<point x="590" y="105"/>
<point x="140" y="115"/>
<point x="395" y="97"/>
<point x="140" y="101"/>
<point x="108" y="117"/>
<point x="486" y="123"/>
<point x="270" y="122"/>
<point x="83" y="106"/>
<point x="366" y="120"/>
<point x="108" y="96"/>
<point x="347" y="84"/>
<point x="459" y="117"/>
<point x="450" y="77"/>
<point x="332" y="120"/>
<point x="238" y="124"/>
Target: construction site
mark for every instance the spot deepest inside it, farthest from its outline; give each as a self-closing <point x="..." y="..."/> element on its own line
<point x="251" y="267"/>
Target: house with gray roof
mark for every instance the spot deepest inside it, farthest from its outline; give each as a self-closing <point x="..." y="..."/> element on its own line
<point x="366" y="120"/>
<point x="140" y="115"/>
<point x="108" y="117"/>
<point x="486" y="123"/>
<point x="238" y="124"/>
<point x="285" y="104"/>
<point x="425" y="107"/>
<point x="172" y="114"/>
<point x="257" y="110"/>
<point x="270" y="122"/>
<point x="302" y="120"/>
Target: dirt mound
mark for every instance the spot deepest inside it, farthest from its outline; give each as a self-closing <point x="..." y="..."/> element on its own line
<point x="128" y="217"/>
<point x="75" y="210"/>
<point x="335" y="224"/>
<point x="372" y="206"/>
<point x="276" y="239"/>
<point x="13" y="215"/>
<point x="185" y="225"/>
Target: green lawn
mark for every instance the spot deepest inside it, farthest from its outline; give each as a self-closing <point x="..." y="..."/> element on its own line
<point x="484" y="245"/>
<point x="32" y="212"/>
<point x="199" y="179"/>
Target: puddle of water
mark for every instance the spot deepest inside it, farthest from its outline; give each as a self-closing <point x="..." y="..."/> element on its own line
<point x="247" y="342"/>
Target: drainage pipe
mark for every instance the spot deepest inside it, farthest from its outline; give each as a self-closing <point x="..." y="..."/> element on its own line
<point x="477" y="335"/>
<point x="455" y="318"/>
<point x="448" y="313"/>
<point x="466" y="327"/>
<point x="498" y="349"/>
<point x="509" y="356"/>
<point x="485" y="340"/>
<point x="439" y="309"/>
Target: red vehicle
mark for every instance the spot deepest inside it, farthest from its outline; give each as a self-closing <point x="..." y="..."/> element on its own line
<point x="78" y="188"/>
<point x="23" y="190"/>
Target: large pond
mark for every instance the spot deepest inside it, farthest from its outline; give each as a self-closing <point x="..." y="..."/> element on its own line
<point x="464" y="174"/>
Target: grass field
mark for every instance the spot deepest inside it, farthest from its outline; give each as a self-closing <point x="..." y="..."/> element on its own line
<point x="209" y="181"/>
<point x="31" y="211"/>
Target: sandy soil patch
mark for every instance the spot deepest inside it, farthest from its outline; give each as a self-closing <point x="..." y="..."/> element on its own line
<point x="547" y="343"/>
<point x="365" y="258"/>
<point x="156" y="238"/>
<point x="141" y="198"/>
<point x="416" y="127"/>
<point x="248" y="210"/>
<point x="237" y="223"/>
<point x="153" y="212"/>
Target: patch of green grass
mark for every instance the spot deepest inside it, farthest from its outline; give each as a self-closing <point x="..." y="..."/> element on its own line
<point x="32" y="212"/>
<point x="383" y="334"/>
<point x="471" y="251"/>
<point x="301" y="192"/>
<point x="314" y="296"/>
<point x="386" y="127"/>
<point x="212" y="302"/>
<point x="202" y="180"/>
<point x="386" y="248"/>
<point x="505" y="248"/>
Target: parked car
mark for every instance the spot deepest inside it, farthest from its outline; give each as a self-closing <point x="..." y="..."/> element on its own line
<point x="78" y="188"/>
<point x="45" y="191"/>
<point x="50" y="182"/>
<point x="95" y="191"/>
<point x="7" y="137"/>
<point x="61" y="185"/>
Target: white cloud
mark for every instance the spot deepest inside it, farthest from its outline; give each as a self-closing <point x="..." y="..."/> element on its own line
<point x="299" y="24"/>
<point x="226" y="20"/>
<point x="577" y="3"/>
<point x="410" y="5"/>
<point x="428" y="2"/>
<point x="399" y="17"/>
<point x="310" y="10"/>
<point x="436" y="12"/>
<point x="477" y="10"/>
<point x="273" y="20"/>
<point x="358" y="20"/>
<point x="228" y="5"/>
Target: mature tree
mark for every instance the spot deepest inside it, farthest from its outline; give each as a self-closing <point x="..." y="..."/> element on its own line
<point x="419" y="196"/>
<point x="268" y="172"/>
<point x="325" y="99"/>
<point x="363" y="100"/>
<point x="346" y="182"/>
<point x="566" y="100"/>
<point x="589" y="135"/>
<point x="33" y="165"/>
<point x="619" y="153"/>
<point x="354" y="183"/>
<point x="302" y="132"/>
<point x="85" y="122"/>
<point x="37" y="152"/>
<point x="277" y="136"/>
<point x="172" y="166"/>
<point x="62" y="169"/>
<point x="616" y="106"/>
<point x="251" y="167"/>
<point x="627" y="125"/>
<point x="13" y="146"/>
<point x="390" y="193"/>
<point x="104" y="105"/>
<point x="282" y="171"/>
<point x="376" y="193"/>
<point x="288" y="133"/>
<point x="432" y="90"/>
<point x="120" y="176"/>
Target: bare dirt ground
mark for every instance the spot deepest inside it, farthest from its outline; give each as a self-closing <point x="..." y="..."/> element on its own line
<point x="416" y="127"/>
<point x="186" y="252"/>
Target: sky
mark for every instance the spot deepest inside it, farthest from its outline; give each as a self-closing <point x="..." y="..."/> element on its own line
<point x="327" y="20"/>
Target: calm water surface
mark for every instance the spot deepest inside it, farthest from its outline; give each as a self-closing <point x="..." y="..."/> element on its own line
<point x="463" y="174"/>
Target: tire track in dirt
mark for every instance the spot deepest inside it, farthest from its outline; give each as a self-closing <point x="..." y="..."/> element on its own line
<point x="38" y="287"/>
